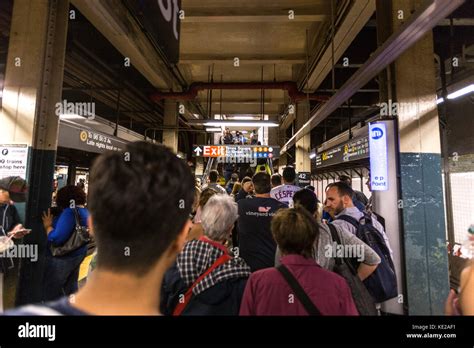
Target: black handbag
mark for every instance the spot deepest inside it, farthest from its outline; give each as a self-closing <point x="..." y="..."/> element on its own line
<point x="364" y="302"/>
<point x="80" y="236"/>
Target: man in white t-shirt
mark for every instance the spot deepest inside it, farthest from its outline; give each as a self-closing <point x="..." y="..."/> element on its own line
<point x="284" y="193"/>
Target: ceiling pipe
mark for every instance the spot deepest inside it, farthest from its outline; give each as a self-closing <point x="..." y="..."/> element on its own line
<point x="191" y="94"/>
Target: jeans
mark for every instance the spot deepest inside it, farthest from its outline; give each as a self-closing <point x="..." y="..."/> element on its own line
<point x="60" y="276"/>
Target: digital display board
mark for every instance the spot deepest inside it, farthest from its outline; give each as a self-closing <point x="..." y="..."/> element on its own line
<point x="352" y="150"/>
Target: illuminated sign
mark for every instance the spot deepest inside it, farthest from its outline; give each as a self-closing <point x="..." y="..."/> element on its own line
<point x="378" y="156"/>
<point x="354" y="149"/>
<point x="236" y="151"/>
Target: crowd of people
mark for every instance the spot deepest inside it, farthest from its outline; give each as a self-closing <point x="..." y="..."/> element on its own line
<point x="168" y="245"/>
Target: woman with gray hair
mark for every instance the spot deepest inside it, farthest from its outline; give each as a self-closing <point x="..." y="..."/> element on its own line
<point x="206" y="279"/>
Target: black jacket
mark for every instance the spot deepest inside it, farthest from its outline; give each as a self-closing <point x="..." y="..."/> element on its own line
<point x="222" y="299"/>
<point x="9" y="218"/>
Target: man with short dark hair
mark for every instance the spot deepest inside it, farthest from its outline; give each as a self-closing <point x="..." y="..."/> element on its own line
<point x="139" y="206"/>
<point x="213" y="177"/>
<point x="276" y="180"/>
<point x="256" y="244"/>
<point x="339" y="202"/>
<point x="284" y="193"/>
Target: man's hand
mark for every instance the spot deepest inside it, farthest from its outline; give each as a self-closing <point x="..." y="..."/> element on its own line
<point x="15" y="232"/>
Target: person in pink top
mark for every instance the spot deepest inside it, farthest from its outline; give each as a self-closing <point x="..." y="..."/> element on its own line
<point x="268" y="292"/>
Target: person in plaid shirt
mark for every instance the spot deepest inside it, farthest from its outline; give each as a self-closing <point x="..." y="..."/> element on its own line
<point x="207" y="279"/>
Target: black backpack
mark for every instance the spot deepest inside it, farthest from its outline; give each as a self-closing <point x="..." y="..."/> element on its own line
<point x="382" y="283"/>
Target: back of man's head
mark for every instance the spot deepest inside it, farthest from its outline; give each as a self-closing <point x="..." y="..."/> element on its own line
<point x="276" y="180"/>
<point x="307" y="199"/>
<point x="345" y="179"/>
<point x="213" y="176"/>
<point x="261" y="183"/>
<point x="289" y="175"/>
<point x="140" y="201"/>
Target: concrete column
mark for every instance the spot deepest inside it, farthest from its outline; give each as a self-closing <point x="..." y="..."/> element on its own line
<point x="33" y="84"/>
<point x="170" y="137"/>
<point x="420" y="168"/>
<point x="282" y="162"/>
<point x="303" y="146"/>
<point x="273" y="133"/>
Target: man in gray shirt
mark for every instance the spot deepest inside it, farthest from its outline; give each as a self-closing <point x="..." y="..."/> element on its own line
<point x="339" y="202"/>
<point x="325" y="250"/>
<point x="213" y="177"/>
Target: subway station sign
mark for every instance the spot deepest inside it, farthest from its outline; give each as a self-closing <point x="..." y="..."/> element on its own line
<point x="87" y="140"/>
<point x="13" y="160"/>
<point x="378" y="156"/>
<point x="353" y="150"/>
<point x="236" y="151"/>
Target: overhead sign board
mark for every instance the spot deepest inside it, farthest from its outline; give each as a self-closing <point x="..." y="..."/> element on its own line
<point x="236" y="151"/>
<point x="378" y="157"/>
<point x="13" y="160"/>
<point x="352" y="150"/>
<point x="88" y="140"/>
<point x="161" y="20"/>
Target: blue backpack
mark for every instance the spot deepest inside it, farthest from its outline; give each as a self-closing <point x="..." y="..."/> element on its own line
<point x="382" y="283"/>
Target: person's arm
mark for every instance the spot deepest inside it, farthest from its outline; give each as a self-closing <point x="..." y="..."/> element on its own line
<point x="467" y="291"/>
<point x="64" y="227"/>
<point x="369" y="259"/>
<point x="364" y="270"/>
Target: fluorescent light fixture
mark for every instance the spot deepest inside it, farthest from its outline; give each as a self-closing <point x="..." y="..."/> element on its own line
<point x="313" y="155"/>
<point x="241" y="124"/>
<point x="240" y="118"/>
<point x="71" y="117"/>
<point x="213" y="129"/>
<point x="461" y="92"/>
<point x="458" y="93"/>
<point x="233" y="123"/>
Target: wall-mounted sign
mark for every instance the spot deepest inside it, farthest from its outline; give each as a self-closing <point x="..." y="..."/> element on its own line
<point x="378" y="156"/>
<point x="304" y="179"/>
<point x="161" y="19"/>
<point x="236" y="151"/>
<point x="13" y="160"/>
<point x="354" y="149"/>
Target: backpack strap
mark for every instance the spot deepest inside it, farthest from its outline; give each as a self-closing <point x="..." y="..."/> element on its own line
<point x="299" y="291"/>
<point x="349" y="219"/>
<point x="335" y="238"/>
<point x="187" y="296"/>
